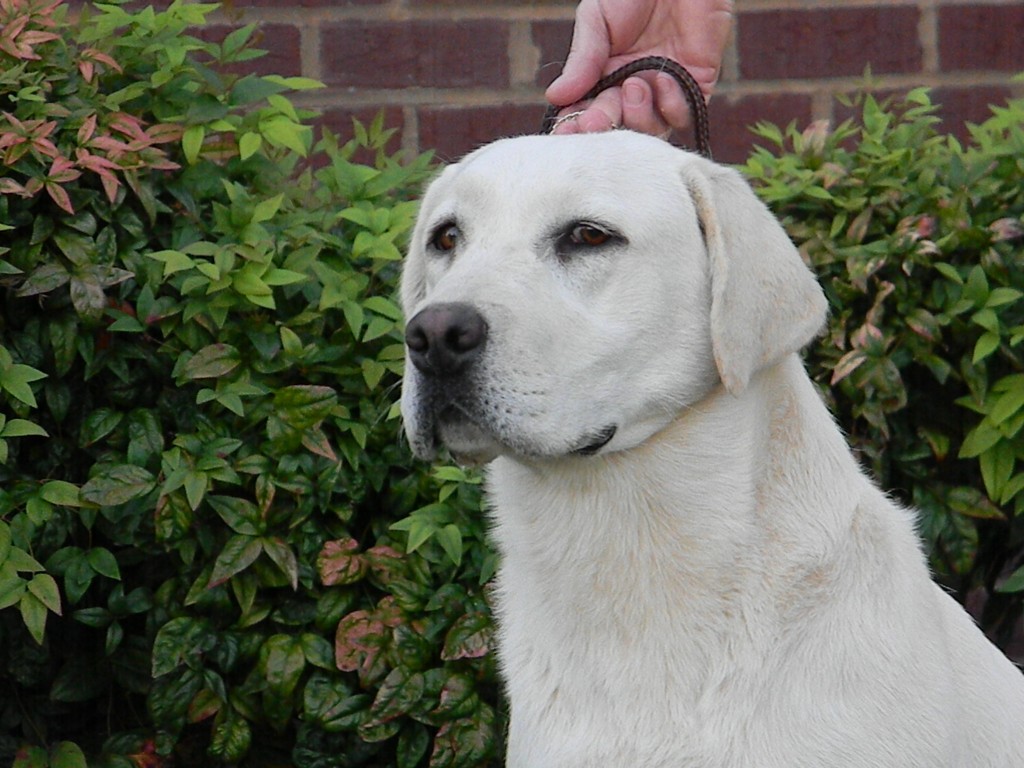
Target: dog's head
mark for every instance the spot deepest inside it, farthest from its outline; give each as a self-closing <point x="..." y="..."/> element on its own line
<point x="571" y="294"/>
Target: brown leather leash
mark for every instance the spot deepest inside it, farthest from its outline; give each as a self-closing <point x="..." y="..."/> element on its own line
<point x="692" y="91"/>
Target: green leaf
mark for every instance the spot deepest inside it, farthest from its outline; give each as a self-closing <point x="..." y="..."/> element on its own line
<point x="283" y="557"/>
<point x="16" y="380"/>
<point x="212" y="361"/>
<point x="282" y="662"/>
<point x="60" y="493"/>
<point x="5" y="541"/>
<point x="33" y="613"/>
<point x="249" y="145"/>
<point x="1014" y="583"/>
<point x="450" y="539"/>
<point x="67" y="755"/>
<point x="179" y="641"/>
<point x="303" y="406"/>
<point x="45" y="589"/>
<point x="98" y="424"/>
<point x="173" y="261"/>
<point x="231" y="738"/>
<point x="103" y="563"/>
<point x="241" y="515"/>
<point x="192" y="142"/>
<point x="43" y="279"/>
<point x="31" y="757"/>
<point x="22" y="428"/>
<point x="118" y="484"/>
<point x="238" y="554"/>
<point x="400" y="691"/>
<point x="267" y="209"/>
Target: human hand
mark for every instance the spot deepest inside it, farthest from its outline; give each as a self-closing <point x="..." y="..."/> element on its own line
<point x="611" y="33"/>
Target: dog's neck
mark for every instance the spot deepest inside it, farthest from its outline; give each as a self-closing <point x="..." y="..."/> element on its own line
<point x="694" y="510"/>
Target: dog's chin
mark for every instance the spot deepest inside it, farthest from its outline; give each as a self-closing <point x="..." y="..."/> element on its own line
<point x="468" y="444"/>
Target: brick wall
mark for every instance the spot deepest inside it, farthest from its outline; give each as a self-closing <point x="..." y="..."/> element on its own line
<point x="452" y="74"/>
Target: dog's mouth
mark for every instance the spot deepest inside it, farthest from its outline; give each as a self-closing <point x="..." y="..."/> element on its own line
<point x="595" y="442"/>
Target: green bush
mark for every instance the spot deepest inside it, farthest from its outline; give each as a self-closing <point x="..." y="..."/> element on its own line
<point x="206" y="504"/>
<point x="918" y="243"/>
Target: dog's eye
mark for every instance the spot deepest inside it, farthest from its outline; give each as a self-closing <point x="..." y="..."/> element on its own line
<point x="588" y="235"/>
<point x="445" y="237"/>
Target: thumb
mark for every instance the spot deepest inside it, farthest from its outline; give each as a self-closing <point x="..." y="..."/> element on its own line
<point x="588" y="53"/>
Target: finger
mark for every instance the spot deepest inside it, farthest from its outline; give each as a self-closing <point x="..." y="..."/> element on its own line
<point x="588" y="53"/>
<point x="672" y="106"/>
<point x="638" y="108"/>
<point x="603" y="114"/>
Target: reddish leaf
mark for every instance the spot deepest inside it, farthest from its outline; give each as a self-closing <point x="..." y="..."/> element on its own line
<point x="359" y="642"/>
<point x="470" y="637"/>
<point x="340" y="563"/>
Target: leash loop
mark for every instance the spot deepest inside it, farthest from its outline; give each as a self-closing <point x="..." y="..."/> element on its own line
<point x="692" y="91"/>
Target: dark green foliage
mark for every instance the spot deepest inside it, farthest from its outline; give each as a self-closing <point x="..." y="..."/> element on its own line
<point x="919" y="243"/>
<point x="200" y="462"/>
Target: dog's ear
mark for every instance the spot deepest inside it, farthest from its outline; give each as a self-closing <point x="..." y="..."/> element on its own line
<point x="765" y="302"/>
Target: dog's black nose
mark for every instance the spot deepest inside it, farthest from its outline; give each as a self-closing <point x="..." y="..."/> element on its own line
<point x="444" y="339"/>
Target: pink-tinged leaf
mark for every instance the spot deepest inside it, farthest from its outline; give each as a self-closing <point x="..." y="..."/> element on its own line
<point x="108" y="144"/>
<point x="315" y="440"/>
<point x="339" y="562"/>
<point x="87" y="129"/>
<point x="205" y="705"/>
<point x="101" y="58"/>
<point x="470" y="637"/>
<point x="60" y="196"/>
<point x="359" y="641"/>
<point x="110" y="185"/>
<point x="9" y="186"/>
<point x="1005" y="229"/>
<point x="62" y="170"/>
<point x="36" y="37"/>
<point x="45" y="147"/>
<point x="162" y="133"/>
<point x="458" y="698"/>
<point x="847" y="364"/>
<point x="15" y="122"/>
<point x="130" y="126"/>
<point x="42" y="130"/>
<point x="466" y="741"/>
<point x="86" y="68"/>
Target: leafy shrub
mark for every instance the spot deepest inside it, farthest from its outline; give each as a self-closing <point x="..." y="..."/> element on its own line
<point x="206" y="506"/>
<point x="918" y="243"/>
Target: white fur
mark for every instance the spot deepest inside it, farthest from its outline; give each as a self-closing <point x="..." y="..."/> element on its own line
<point x="720" y="586"/>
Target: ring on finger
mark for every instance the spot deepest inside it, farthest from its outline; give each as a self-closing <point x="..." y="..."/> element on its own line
<point x="566" y="118"/>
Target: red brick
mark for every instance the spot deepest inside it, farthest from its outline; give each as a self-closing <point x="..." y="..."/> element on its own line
<point x="960" y="106"/>
<point x="452" y="54"/>
<point x="282" y="43"/>
<point x="832" y="42"/>
<point x="552" y="38"/>
<point x="730" y="119"/>
<point x="981" y="36"/>
<point x="454" y="131"/>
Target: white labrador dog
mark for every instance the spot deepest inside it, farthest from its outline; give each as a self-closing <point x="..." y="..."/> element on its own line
<point x="695" y="571"/>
